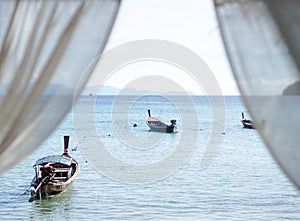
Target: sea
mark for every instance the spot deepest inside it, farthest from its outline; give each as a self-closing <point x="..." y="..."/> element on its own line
<point x="211" y="169"/>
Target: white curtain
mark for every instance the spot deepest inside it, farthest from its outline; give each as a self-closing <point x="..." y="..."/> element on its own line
<point x="48" y="49"/>
<point x="262" y="40"/>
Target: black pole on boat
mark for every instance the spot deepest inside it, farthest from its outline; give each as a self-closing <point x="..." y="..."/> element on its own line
<point x="66" y="145"/>
<point x="243" y="116"/>
<point x="149" y="113"/>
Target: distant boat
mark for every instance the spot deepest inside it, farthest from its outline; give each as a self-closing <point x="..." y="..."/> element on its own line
<point x="247" y="123"/>
<point x="53" y="174"/>
<point x="160" y="126"/>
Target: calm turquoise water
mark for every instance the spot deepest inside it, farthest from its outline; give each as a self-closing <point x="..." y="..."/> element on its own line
<point x="242" y="182"/>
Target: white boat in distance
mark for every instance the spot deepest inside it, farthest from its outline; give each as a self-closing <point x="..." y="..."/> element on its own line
<point x="159" y="126"/>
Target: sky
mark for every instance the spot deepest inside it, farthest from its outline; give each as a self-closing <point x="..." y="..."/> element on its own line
<point x="190" y="23"/>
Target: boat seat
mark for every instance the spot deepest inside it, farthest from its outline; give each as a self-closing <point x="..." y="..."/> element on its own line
<point x="61" y="170"/>
<point x="58" y="178"/>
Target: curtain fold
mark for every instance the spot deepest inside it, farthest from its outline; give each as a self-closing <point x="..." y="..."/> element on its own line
<point x="262" y="41"/>
<point x="48" y="50"/>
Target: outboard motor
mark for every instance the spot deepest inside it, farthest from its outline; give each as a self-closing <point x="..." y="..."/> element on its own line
<point x="173" y="122"/>
<point x="171" y="128"/>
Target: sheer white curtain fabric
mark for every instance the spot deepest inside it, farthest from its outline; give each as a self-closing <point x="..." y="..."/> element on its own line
<point x="262" y="40"/>
<point x="48" y="50"/>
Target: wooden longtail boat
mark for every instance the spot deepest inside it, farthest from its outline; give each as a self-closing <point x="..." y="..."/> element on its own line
<point x="53" y="174"/>
<point x="158" y="126"/>
<point x="247" y="123"/>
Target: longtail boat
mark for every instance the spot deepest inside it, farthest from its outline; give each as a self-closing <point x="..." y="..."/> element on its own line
<point x="159" y="126"/>
<point x="53" y="174"/>
<point x="247" y="123"/>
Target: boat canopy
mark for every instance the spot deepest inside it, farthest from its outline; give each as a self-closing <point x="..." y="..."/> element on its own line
<point x="55" y="159"/>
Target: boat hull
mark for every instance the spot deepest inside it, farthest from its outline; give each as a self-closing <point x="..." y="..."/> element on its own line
<point x="53" y="186"/>
<point x="159" y="126"/>
<point x="248" y="124"/>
